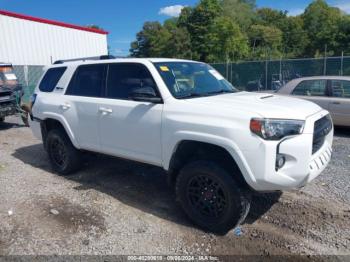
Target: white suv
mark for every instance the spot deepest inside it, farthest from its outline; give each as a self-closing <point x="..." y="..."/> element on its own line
<point x="217" y="144"/>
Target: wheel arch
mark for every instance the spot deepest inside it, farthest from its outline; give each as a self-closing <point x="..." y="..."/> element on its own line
<point x="53" y="121"/>
<point x="188" y="150"/>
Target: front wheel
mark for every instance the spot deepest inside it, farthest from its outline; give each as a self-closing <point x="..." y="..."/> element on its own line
<point x="64" y="157"/>
<point x="210" y="197"/>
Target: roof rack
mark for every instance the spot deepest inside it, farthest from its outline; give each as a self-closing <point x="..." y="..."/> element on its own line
<point x="102" y="57"/>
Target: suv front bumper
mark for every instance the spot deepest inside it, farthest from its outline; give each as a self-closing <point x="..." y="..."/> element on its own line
<point x="302" y="164"/>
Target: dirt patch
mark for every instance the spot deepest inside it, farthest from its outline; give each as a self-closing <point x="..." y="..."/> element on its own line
<point x="304" y="224"/>
<point x="71" y="216"/>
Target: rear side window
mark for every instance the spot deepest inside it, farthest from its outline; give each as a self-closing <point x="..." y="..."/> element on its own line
<point x="311" y="88"/>
<point x="341" y="88"/>
<point x="88" y="80"/>
<point x="51" y="78"/>
<point x="123" y="78"/>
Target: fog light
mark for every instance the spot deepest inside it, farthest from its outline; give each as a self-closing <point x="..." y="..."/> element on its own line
<point x="280" y="161"/>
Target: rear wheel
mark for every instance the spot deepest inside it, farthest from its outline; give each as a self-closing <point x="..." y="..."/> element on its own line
<point x="64" y="157"/>
<point x="210" y="197"/>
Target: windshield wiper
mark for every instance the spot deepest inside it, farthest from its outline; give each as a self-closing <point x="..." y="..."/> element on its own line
<point x="190" y="95"/>
<point x="222" y="91"/>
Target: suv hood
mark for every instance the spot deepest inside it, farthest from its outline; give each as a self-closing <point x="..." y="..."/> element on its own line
<point x="264" y="105"/>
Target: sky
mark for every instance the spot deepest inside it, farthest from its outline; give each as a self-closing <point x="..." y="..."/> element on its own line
<point x="123" y="19"/>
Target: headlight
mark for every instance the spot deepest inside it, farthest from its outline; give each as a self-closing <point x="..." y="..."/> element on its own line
<point x="276" y="129"/>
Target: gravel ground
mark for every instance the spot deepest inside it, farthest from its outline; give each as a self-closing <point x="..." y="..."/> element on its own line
<point x="118" y="207"/>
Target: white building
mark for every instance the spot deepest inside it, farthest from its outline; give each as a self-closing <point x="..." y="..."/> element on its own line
<point x="26" y="40"/>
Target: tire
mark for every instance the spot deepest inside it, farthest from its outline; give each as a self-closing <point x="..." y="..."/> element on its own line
<point x="220" y="208"/>
<point x="2" y="119"/>
<point x="64" y="157"/>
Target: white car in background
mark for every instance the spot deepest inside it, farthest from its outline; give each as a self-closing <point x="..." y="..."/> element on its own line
<point x="329" y="92"/>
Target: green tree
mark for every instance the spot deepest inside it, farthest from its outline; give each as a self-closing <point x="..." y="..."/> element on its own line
<point x="227" y="41"/>
<point x="179" y="43"/>
<point x="239" y="11"/>
<point x="321" y="23"/>
<point x="265" y="41"/>
<point x="95" y="27"/>
<point x="343" y="38"/>
<point x="151" y="41"/>
<point x="197" y="22"/>
<point x="268" y="16"/>
<point x="294" y="37"/>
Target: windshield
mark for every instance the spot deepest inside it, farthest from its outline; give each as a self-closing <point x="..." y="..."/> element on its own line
<point x="191" y="79"/>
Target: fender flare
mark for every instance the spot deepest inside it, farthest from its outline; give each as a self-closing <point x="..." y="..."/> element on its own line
<point x="222" y="142"/>
<point x="65" y="125"/>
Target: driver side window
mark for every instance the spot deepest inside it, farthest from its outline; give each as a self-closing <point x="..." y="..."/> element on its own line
<point x="123" y="78"/>
<point x="311" y="88"/>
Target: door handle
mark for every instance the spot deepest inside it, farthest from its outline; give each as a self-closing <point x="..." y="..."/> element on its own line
<point x="104" y="110"/>
<point x="66" y="106"/>
<point x="336" y="103"/>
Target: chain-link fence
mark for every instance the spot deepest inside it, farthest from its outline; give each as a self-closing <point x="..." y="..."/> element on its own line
<point x="250" y="76"/>
<point x="272" y="74"/>
<point x="28" y="76"/>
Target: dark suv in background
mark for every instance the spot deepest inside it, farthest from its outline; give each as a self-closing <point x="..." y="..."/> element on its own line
<point x="10" y="91"/>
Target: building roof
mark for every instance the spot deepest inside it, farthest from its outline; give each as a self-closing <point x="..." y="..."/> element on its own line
<point x="52" y="22"/>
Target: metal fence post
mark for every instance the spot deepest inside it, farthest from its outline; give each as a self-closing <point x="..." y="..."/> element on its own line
<point x="227" y="69"/>
<point x="342" y="63"/>
<point x="325" y="61"/>
<point x="266" y="71"/>
<point x="25" y="71"/>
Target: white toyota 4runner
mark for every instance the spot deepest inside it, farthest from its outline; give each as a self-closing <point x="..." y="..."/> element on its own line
<point x="217" y="144"/>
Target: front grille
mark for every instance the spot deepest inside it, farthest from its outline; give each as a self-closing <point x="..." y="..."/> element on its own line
<point x="322" y="128"/>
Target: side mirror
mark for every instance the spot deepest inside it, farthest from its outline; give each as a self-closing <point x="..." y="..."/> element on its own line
<point x="145" y="94"/>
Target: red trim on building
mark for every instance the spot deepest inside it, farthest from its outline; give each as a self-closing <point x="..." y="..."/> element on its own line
<point x="51" y="22"/>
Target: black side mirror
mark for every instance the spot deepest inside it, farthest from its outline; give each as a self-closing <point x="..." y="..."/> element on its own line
<point x="145" y="94"/>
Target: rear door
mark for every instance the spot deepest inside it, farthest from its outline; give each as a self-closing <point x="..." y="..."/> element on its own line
<point x="128" y="128"/>
<point x="340" y="102"/>
<point x="313" y="90"/>
<point x="80" y="104"/>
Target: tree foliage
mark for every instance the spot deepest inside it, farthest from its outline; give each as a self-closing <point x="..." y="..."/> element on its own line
<point x="230" y="30"/>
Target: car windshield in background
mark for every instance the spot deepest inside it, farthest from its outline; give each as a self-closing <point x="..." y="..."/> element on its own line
<point x="189" y="79"/>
